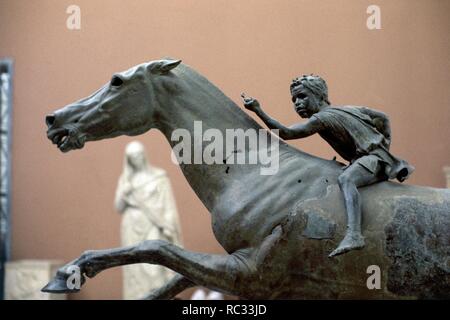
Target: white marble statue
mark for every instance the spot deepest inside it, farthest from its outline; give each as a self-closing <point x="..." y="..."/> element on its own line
<point x="144" y="197"/>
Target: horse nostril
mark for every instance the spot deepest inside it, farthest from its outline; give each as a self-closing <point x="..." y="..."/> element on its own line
<point x="50" y="120"/>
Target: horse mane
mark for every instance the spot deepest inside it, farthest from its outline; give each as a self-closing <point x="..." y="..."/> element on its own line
<point x="190" y="74"/>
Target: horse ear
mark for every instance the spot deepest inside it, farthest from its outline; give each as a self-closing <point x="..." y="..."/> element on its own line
<point x="163" y="66"/>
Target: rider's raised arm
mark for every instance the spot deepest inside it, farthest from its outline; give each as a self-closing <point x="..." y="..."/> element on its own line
<point x="302" y="130"/>
<point x="296" y="131"/>
<point x="270" y="122"/>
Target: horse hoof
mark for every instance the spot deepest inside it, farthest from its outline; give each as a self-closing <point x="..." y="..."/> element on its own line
<point x="59" y="285"/>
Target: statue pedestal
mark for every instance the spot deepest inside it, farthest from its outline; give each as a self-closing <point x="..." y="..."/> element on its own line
<point x="447" y="175"/>
<point x="24" y="279"/>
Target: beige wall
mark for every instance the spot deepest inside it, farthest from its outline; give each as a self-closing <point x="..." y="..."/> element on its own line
<point x="62" y="203"/>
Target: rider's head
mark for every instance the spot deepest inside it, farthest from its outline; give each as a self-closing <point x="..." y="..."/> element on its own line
<point x="309" y="95"/>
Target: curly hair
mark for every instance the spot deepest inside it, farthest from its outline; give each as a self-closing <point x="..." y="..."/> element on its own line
<point x="313" y="83"/>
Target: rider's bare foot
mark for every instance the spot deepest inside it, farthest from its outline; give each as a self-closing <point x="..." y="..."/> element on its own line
<point x="352" y="241"/>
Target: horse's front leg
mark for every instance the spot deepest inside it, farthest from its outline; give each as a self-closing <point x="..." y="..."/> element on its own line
<point x="89" y="264"/>
<point x="217" y="272"/>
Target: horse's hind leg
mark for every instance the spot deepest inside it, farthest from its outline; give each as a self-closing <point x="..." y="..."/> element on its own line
<point x="179" y="283"/>
<point x="169" y="290"/>
<point x="218" y="272"/>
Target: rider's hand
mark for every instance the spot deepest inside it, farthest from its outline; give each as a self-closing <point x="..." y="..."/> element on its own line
<point x="250" y="103"/>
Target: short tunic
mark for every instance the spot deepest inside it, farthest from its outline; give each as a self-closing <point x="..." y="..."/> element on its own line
<point x="354" y="136"/>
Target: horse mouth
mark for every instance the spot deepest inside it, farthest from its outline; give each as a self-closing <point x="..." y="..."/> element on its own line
<point x="66" y="139"/>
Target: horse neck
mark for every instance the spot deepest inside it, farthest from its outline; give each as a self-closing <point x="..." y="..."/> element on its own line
<point x="202" y="101"/>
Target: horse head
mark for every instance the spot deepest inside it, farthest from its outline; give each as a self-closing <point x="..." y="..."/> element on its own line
<point x="127" y="105"/>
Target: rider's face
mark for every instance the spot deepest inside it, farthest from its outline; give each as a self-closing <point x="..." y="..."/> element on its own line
<point x="305" y="103"/>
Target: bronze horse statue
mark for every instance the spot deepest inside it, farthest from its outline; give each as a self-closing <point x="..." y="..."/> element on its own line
<point x="277" y="229"/>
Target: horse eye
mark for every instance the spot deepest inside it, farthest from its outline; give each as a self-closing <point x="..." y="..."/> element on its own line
<point x="116" y="81"/>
